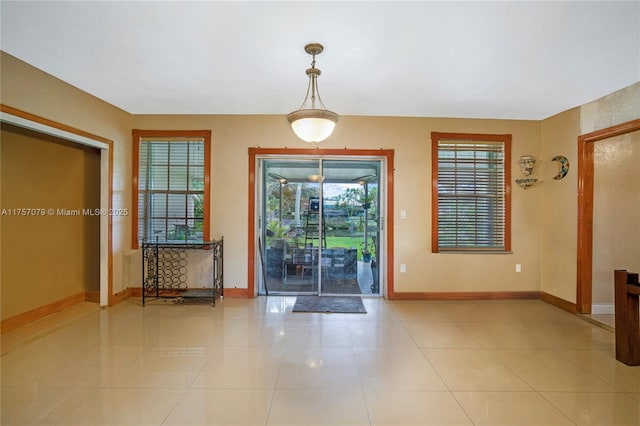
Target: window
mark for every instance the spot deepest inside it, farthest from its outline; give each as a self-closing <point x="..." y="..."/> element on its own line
<point x="171" y="185"/>
<point x="471" y="196"/>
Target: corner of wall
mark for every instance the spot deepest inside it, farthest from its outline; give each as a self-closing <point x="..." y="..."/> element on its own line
<point x="559" y="205"/>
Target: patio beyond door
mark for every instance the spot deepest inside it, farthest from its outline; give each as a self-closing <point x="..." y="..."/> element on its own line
<point x="321" y="222"/>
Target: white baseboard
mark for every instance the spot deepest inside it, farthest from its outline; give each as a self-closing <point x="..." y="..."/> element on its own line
<point x="602" y="308"/>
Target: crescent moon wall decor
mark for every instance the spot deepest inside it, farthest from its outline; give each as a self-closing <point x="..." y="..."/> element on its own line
<point x="563" y="166"/>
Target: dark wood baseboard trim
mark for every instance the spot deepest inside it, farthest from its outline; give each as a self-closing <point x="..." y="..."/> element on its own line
<point x="92" y="296"/>
<point x="559" y="303"/>
<point x="35" y="314"/>
<point x="476" y="295"/>
<point x="120" y="296"/>
<point x="88" y="296"/>
<point x="242" y="293"/>
<point x="236" y="293"/>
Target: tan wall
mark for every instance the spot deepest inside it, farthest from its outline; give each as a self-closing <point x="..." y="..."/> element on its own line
<point x="559" y="205"/>
<point x="559" y="201"/>
<point x="48" y="257"/>
<point x="31" y="90"/>
<point x="615" y="108"/>
<point x="544" y="217"/>
<point x="616" y="212"/>
<point x="410" y="138"/>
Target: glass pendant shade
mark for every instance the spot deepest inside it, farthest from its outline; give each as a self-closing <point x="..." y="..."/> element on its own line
<point x="313" y="125"/>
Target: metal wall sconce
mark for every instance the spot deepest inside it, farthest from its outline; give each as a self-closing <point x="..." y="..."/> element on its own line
<point x="526" y="163"/>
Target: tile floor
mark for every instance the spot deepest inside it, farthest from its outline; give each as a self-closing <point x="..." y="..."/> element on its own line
<point x="604" y="320"/>
<point x="254" y="362"/>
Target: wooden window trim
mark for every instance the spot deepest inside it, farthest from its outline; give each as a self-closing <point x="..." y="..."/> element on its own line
<point x="137" y="136"/>
<point x="506" y="139"/>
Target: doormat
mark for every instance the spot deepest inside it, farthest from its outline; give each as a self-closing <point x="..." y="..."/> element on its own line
<point x="330" y="304"/>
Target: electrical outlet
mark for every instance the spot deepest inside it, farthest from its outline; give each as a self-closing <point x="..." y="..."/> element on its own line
<point x="518" y="267"/>
<point x="403" y="267"/>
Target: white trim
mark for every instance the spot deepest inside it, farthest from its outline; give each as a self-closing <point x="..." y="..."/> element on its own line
<point x="104" y="187"/>
<point x="104" y="227"/>
<point x="48" y="130"/>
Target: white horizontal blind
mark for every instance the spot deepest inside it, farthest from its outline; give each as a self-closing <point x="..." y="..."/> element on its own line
<point x="471" y="195"/>
<point x="171" y="189"/>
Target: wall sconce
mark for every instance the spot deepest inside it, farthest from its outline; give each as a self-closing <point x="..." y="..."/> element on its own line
<point x="526" y="163"/>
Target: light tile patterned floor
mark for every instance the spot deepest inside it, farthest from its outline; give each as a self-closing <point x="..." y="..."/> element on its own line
<point x="254" y="362"/>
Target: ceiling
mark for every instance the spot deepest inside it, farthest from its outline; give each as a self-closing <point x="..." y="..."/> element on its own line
<point x="519" y="60"/>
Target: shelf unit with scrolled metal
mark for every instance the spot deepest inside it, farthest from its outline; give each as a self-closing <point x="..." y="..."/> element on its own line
<point x="165" y="271"/>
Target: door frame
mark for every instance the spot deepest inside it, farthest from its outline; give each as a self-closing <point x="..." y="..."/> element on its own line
<point x="586" y="143"/>
<point x="317" y="152"/>
<point x="43" y="125"/>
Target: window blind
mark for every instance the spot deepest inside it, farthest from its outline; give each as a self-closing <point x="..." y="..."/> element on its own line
<point x="171" y="189"/>
<point x="471" y="195"/>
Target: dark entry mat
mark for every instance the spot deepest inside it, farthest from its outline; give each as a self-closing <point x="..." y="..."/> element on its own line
<point x="330" y="304"/>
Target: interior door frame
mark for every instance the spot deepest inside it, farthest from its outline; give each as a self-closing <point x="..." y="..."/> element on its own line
<point x="388" y="154"/>
<point x="43" y="125"/>
<point x="585" y="208"/>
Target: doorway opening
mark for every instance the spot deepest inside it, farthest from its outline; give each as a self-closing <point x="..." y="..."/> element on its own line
<point x="589" y="266"/>
<point x="18" y="118"/>
<point x="319" y="223"/>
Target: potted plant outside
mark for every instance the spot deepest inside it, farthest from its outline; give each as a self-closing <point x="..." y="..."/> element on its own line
<point x="365" y="201"/>
<point x="367" y="250"/>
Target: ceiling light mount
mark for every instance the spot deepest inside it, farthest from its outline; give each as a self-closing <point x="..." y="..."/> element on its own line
<point x="314" y="49"/>
<point x="313" y="122"/>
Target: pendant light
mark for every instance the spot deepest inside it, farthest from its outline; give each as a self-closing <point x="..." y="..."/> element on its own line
<point x="313" y="123"/>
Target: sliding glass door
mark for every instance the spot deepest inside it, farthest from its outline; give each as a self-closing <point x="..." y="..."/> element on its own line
<point x="350" y="194"/>
<point x="289" y="226"/>
<point x="319" y="226"/>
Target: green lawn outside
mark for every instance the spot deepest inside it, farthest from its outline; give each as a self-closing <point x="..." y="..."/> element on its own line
<point x="347" y="242"/>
